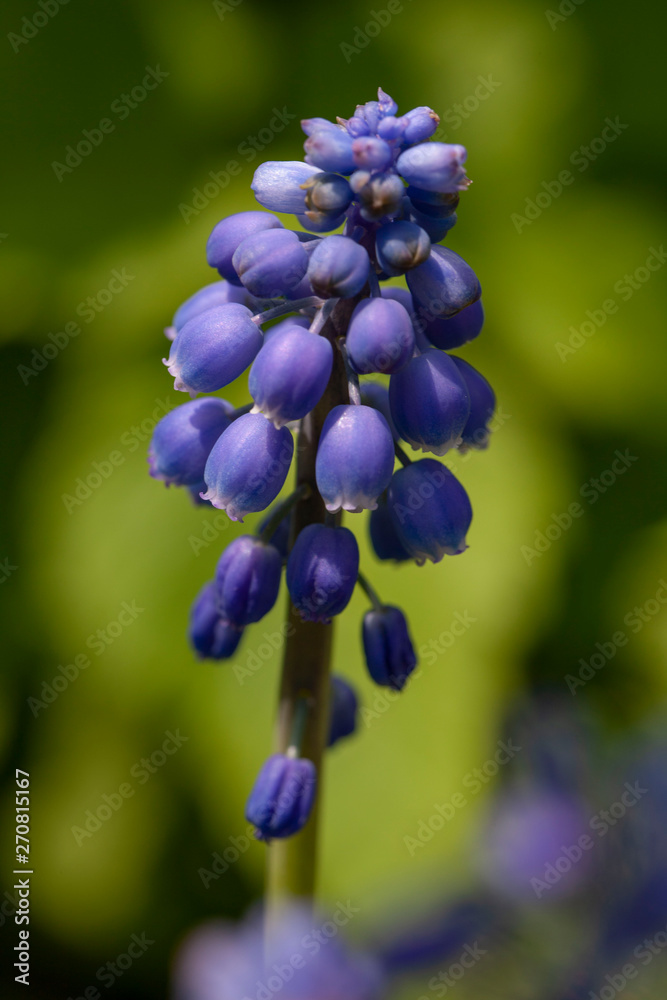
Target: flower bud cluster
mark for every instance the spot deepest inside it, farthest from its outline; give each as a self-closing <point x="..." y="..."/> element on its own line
<point x="394" y="192"/>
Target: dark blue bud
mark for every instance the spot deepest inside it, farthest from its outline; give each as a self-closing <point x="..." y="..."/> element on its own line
<point x="322" y="571"/>
<point x="290" y="374"/>
<point x="386" y="104"/>
<point x="282" y="797"/>
<point x="331" y="150"/>
<point x="371" y="113"/>
<point x="344" y="705"/>
<point x="183" y="439"/>
<point x="321" y="222"/>
<point x="310" y="125"/>
<point x="434" y="203"/>
<point x="271" y="262"/>
<point x="377" y="395"/>
<point x="380" y="336"/>
<point x="434" y="166"/>
<point x="456" y="331"/>
<point x="213" y="349"/>
<point x="277" y="185"/>
<point x="338" y="267"/>
<point x="210" y="635"/>
<point x="301" y="291"/>
<point x="431" y="510"/>
<point x="359" y="179"/>
<point x="248" y="466"/>
<point x="355" y="458"/>
<point x="392" y="128"/>
<point x="328" y="193"/>
<point x="401" y="295"/>
<point x="382" y="196"/>
<point x="444" y="284"/>
<point x="247" y="578"/>
<point x="357" y="126"/>
<point x="371" y="153"/>
<point x="219" y="293"/>
<point x="384" y="535"/>
<point x="482" y="404"/>
<point x="421" y="124"/>
<point x="434" y="226"/>
<point x="429" y="402"/>
<point x="390" y="656"/>
<point x="400" y="246"/>
<point x="280" y="537"/>
<point x="229" y="233"/>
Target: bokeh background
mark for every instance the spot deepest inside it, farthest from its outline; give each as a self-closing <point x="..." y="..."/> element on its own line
<point x="537" y="593"/>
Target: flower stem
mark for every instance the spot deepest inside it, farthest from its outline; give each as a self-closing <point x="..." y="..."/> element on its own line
<point x="353" y="391"/>
<point x="401" y="455"/>
<point x="305" y="675"/>
<point x="370" y="592"/>
<point x="287" y="307"/>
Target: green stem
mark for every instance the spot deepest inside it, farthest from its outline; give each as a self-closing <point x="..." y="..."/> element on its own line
<point x="292" y="862"/>
<point x="370" y="592"/>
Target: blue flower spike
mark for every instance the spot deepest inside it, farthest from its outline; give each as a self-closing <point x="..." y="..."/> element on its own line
<point x="341" y="316"/>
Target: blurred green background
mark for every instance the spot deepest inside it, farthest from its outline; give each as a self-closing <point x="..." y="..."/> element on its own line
<point x="552" y="81"/>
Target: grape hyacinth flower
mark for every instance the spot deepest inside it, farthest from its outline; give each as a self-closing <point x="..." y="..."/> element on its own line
<point x="322" y="571"/>
<point x="230" y="233"/>
<point x="444" y="284"/>
<point x="430" y="402"/>
<point x="218" y="293"/>
<point x="283" y="796"/>
<point x="394" y="194"/>
<point x="248" y="466"/>
<point x="390" y="656"/>
<point x="289" y="375"/>
<point x="400" y="246"/>
<point x="431" y="510"/>
<point x="212" y="636"/>
<point x="380" y="337"/>
<point x="456" y="331"/>
<point x="271" y="262"/>
<point x="355" y="458"/>
<point x="338" y="267"/>
<point x="183" y="439"/>
<point x="247" y="579"/>
<point x="213" y="349"/>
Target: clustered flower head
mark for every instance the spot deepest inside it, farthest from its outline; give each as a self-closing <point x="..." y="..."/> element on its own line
<point x="394" y="191"/>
